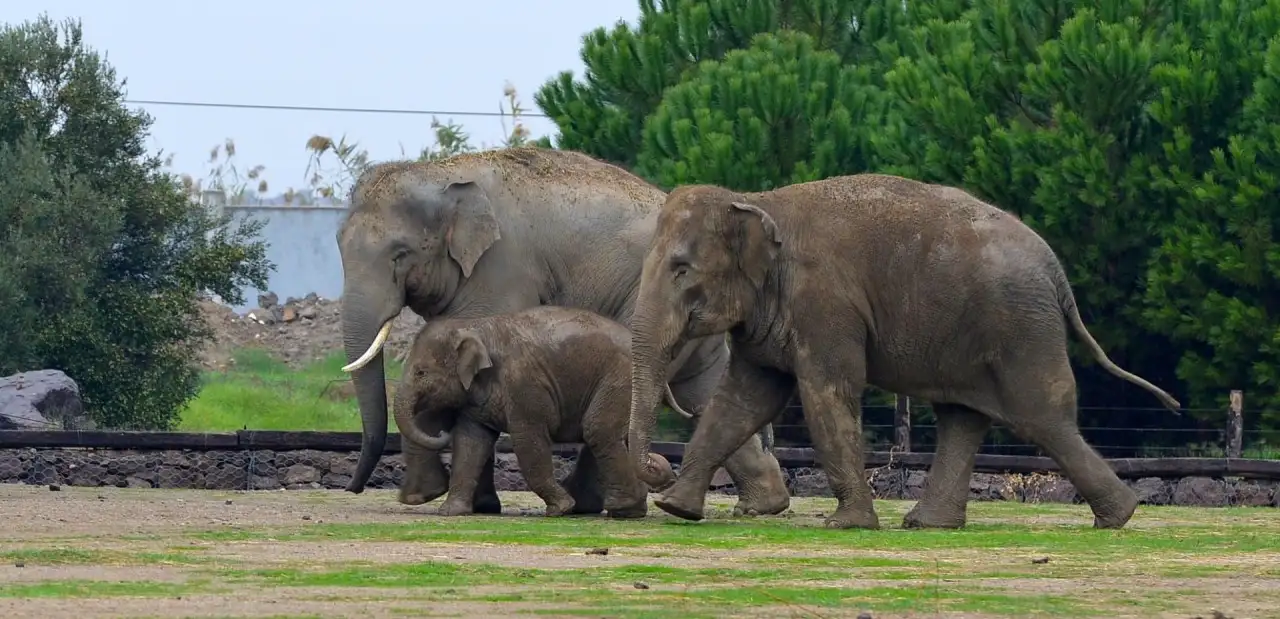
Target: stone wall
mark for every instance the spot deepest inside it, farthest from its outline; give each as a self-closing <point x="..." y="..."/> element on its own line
<point x="308" y="469"/>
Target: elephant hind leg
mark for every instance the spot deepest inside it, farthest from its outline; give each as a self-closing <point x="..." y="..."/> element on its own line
<point x="1040" y="406"/>
<point x="946" y="489"/>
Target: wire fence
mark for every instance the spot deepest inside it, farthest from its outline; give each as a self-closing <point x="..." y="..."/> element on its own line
<point x="261" y="396"/>
<point x="1148" y="433"/>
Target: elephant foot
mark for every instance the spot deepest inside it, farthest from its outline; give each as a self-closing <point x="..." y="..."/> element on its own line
<point x="849" y="518"/>
<point x="1116" y="512"/>
<point x="762" y="503"/>
<point x="586" y="499"/>
<point x="411" y="499"/>
<point x="633" y="503"/>
<point x="762" y="489"/>
<point x="454" y="508"/>
<point x="586" y="508"/>
<point x="560" y="507"/>
<point x="637" y="511"/>
<point x="488" y="504"/>
<point x="674" y="505"/>
<point x="924" y="518"/>
<point x="418" y="496"/>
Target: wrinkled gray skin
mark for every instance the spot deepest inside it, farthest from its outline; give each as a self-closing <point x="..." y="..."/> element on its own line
<point x="486" y="233"/>
<point x="829" y="286"/>
<point x="543" y="375"/>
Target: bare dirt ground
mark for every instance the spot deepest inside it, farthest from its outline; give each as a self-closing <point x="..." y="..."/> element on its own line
<point x="108" y="552"/>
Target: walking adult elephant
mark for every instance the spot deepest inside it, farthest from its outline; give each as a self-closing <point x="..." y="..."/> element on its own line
<point x="831" y="285"/>
<point x="486" y="233"/>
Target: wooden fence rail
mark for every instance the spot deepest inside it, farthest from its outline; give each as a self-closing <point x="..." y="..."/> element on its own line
<point x="787" y="456"/>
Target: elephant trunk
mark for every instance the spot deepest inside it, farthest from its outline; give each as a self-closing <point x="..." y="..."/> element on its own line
<point x="364" y="332"/>
<point x="405" y="402"/>
<point x="652" y="340"/>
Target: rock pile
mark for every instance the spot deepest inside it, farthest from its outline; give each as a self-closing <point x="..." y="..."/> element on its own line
<point x="298" y="332"/>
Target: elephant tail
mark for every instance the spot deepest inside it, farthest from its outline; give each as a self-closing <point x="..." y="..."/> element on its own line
<point x="1067" y="301"/>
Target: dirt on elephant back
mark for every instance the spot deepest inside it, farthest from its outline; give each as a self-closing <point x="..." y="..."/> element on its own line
<point x="297" y="331"/>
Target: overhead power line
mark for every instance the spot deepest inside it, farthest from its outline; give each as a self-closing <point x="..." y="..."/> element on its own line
<point x="312" y="108"/>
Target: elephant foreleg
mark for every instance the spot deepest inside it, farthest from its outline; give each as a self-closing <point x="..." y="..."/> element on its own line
<point x="747" y="398"/>
<point x="946" y="489"/>
<point x="830" y="394"/>
<point x="425" y="477"/>
<point x="624" y="491"/>
<point x="472" y="450"/>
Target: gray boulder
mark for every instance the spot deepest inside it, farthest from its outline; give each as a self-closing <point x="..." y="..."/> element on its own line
<point x="41" y="400"/>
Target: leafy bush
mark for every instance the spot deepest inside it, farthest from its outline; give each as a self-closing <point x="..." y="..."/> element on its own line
<point x="104" y="256"/>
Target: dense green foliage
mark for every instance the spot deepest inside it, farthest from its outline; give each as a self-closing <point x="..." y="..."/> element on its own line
<point x="102" y="255"/>
<point x="803" y="115"/>
<point x="1140" y="138"/>
<point x="1110" y="130"/>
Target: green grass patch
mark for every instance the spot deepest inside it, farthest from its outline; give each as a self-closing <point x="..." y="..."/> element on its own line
<point x="1170" y="560"/>
<point x="98" y="589"/>
<point x="261" y="393"/>
<point x="437" y="574"/>
<point x="1050" y="538"/>
<point x="671" y="589"/>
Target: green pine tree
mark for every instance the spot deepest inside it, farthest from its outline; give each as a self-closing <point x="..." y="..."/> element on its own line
<point x="1098" y="125"/>
<point x="777" y="113"/>
<point x="628" y="69"/>
<point x="1214" y="280"/>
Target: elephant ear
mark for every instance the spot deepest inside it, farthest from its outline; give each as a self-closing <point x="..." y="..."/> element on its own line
<point x="755" y="240"/>
<point x="475" y="226"/>
<point x="473" y="356"/>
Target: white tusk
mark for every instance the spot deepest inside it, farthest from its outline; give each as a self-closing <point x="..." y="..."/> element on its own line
<point x="374" y="348"/>
<point x="675" y="406"/>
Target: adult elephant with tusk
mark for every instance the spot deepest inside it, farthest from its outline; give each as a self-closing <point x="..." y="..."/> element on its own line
<point x="498" y="231"/>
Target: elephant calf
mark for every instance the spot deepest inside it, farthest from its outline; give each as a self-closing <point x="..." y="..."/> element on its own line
<point x="544" y="374"/>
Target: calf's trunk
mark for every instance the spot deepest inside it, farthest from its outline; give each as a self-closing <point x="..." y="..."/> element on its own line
<point x="409" y="431"/>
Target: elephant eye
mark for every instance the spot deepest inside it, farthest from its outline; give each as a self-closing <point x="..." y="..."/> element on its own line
<point x="680" y="269"/>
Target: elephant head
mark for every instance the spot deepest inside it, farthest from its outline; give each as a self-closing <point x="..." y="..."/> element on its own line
<point x="443" y="372"/>
<point x="406" y="241"/>
<point x="706" y="272"/>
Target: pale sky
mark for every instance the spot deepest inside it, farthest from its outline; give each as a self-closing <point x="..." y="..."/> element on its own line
<point x="448" y="56"/>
